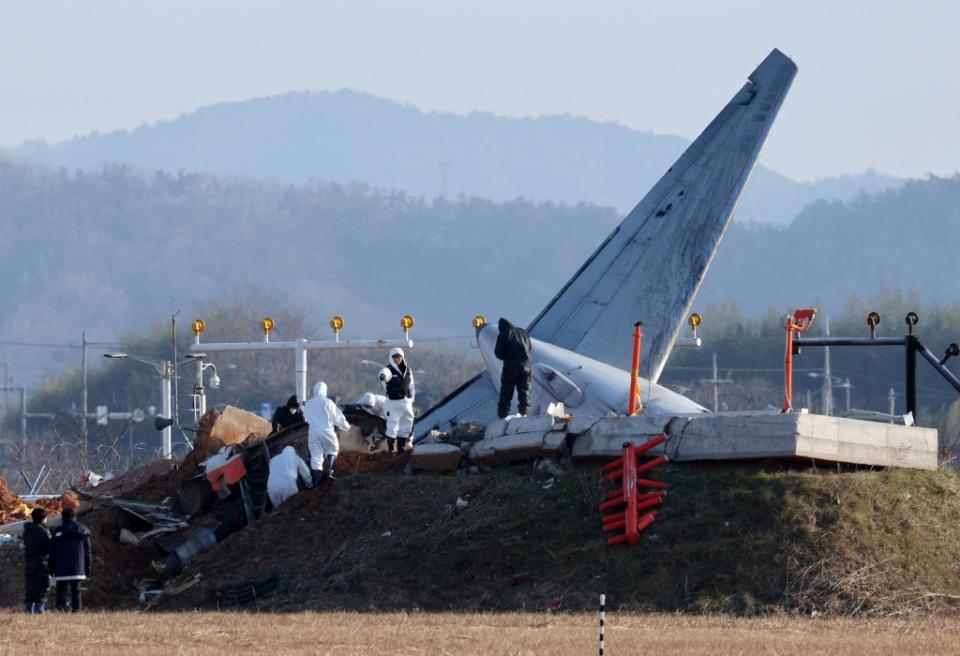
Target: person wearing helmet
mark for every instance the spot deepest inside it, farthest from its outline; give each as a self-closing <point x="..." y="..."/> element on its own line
<point x="397" y="376"/>
<point x="323" y="417"/>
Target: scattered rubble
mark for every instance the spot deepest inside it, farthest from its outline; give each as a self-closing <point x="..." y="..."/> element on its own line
<point x="158" y="526"/>
<point x="15" y="509"/>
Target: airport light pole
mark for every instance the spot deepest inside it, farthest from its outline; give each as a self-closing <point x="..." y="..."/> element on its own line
<point x="300" y="347"/>
<point x="165" y="421"/>
<point x="199" y="391"/>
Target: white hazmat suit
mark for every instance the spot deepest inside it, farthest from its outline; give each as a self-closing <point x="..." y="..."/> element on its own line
<point x="323" y="415"/>
<point x="373" y="403"/>
<point x="285" y="468"/>
<point x="401" y="392"/>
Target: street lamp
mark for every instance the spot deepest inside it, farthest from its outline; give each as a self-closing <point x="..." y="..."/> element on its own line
<point x="165" y="420"/>
<point x="199" y="392"/>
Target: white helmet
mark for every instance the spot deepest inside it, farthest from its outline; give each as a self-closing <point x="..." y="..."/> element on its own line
<point x="320" y="389"/>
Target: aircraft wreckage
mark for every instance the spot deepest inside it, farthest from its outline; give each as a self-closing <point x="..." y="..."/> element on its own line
<point x="650" y="269"/>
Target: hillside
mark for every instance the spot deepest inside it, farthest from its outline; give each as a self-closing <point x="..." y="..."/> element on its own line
<point x="354" y="137"/>
<point x="111" y="251"/>
<point x="897" y="239"/>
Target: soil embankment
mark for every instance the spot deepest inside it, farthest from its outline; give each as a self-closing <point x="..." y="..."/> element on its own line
<point x="742" y="539"/>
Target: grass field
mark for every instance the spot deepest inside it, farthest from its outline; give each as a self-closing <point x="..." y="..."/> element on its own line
<point x="464" y="633"/>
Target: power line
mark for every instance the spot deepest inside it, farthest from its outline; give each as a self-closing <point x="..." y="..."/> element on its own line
<point x="59" y="345"/>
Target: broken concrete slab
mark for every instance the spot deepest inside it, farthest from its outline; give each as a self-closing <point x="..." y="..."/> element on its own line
<point x="437" y="457"/>
<point x="759" y="435"/>
<point x="519" y="446"/>
<point x="867" y="442"/>
<point x="532" y="424"/>
<point x="714" y="436"/>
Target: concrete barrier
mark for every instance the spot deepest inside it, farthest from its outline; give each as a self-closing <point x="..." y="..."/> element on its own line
<point x="714" y="436"/>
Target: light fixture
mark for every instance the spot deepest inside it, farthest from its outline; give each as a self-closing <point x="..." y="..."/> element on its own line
<point x="337" y="325"/>
<point x="267" y="325"/>
<point x="406" y="322"/>
<point x="911" y="320"/>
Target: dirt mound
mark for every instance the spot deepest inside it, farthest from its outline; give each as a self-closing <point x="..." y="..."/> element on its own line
<point x="730" y="539"/>
<point x="140" y="481"/>
<point x="15" y="509"/>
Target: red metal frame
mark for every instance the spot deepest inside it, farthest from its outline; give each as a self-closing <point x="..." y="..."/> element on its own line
<point x="797" y="323"/>
<point x="636" y="515"/>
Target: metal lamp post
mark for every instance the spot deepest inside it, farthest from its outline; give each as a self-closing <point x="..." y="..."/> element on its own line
<point x="166" y="419"/>
<point x="199" y="391"/>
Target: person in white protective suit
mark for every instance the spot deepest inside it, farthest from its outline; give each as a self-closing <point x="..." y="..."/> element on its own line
<point x="373" y="403"/>
<point x="398" y="378"/>
<point x="323" y="416"/>
<point x="285" y="469"/>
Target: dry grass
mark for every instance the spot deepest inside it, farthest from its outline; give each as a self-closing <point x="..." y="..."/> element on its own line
<point x="448" y="633"/>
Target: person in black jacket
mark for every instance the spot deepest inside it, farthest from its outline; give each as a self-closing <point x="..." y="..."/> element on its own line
<point x="513" y="347"/>
<point x="287" y="415"/>
<point x="36" y="548"/>
<point x="71" y="559"/>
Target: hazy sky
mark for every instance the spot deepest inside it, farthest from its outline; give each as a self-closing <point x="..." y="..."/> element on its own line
<point x="876" y="88"/>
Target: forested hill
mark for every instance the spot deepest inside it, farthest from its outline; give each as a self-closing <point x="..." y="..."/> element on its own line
<point x="115" y="249"/>
<point x="353" y="137"/>
<point x="908" y="239"/>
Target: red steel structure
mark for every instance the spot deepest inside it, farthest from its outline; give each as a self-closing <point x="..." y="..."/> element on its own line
<point x="637" y="513"/>
<point x="797" y="323"/>
<point x="635" y="404"/>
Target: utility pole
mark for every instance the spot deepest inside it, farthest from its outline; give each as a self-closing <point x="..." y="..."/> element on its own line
<point x="827" y="373"/>
<point x="23" y="411"/>
<point x="176" y="379"/>
<point x="6" y="395"/>
<point x="83" y="402"/>
<point x="716" y="381"/>
<point x="167" y="376"/>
